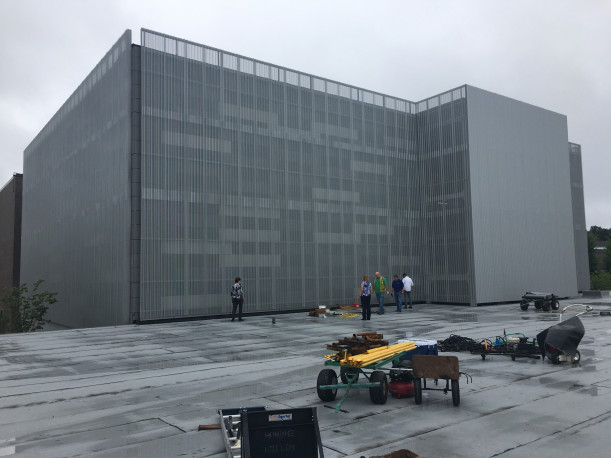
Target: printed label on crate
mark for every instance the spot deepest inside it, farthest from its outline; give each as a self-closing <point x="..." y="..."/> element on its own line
<point x="280" y="417"/>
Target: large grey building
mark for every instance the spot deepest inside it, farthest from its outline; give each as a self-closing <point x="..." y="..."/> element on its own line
<point x="175" y="167"/>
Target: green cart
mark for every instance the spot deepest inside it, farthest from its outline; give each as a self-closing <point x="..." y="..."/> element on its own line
<point x="377" y="382"/>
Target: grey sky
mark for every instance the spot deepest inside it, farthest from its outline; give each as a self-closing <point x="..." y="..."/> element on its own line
<point x="550" y="53"/>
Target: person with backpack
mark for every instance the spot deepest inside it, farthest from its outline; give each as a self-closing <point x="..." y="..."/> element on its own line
<point x="237" y="298"/>
<point x="365" y="294"/>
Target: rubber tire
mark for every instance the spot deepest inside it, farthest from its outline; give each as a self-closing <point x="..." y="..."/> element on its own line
<point x="555" y="359"/>
<point x="418" y="390"/>
<point x="524" y="305"/>
<point x="483" y="357"/>
<point x="546" y="306"/>
<point x="326" y="377"/>
<point x="455" y="392"/>
<point x="577" y="357"/>
<point x="538" y="305"/>
<point x="378" y="394"/>
<point x="342" y="375"/>
<point x="555" y="304"/>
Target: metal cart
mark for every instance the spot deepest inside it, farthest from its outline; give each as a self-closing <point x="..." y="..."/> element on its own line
<point x="515" y="345"/>
<point x="436" y="367"/>
<point x="377" y="382"/>
<point x="544" y="301"/>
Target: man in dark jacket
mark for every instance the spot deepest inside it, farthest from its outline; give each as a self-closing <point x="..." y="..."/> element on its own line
<point x="397" y="288"/>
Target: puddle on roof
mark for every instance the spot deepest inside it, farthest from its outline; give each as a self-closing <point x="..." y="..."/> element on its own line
<point x="463" y="318"/>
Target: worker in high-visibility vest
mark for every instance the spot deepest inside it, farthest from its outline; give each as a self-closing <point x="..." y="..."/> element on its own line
<point x="380" y="286"/>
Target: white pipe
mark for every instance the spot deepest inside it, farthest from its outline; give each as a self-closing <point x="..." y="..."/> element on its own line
<point x="588" y="309"/>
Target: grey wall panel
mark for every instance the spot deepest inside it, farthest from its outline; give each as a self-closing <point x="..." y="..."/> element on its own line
<point x="521" y="199"/>
<point x="76" y="198"/>
<point x="11" y="198"/>
<point x="295" y="183"/>
<point x="579" y="218"/>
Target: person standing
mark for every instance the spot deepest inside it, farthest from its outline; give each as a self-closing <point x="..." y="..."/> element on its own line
<point x="365" y="294"/>
<point x="407" y="290"/>
<point x="380" y="286"/>
<point x="397" y="289"/>
<point x="237" y="298"/>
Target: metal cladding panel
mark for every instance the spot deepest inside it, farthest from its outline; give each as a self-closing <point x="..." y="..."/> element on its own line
<point x="76" y="198"/>
<point x="579" y="218"/>
<point x="294" y="183"/>
<point x="521" y="199"/>
<point x="11" y="197"/>
<point x="444" y="188"/>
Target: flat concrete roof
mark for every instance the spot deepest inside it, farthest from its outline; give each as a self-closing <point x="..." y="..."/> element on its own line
<point x="130" y="391"/>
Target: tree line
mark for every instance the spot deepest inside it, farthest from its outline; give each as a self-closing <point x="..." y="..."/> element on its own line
<point x="600" y="261"/>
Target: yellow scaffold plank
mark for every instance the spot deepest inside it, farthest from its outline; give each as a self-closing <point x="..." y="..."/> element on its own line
<point x="375" y="355"/>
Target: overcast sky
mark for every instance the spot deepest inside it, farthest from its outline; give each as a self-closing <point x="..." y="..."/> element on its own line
<point x="552" y="53"/>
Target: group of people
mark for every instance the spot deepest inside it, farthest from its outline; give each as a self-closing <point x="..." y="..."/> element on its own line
<point x="402" y="291"/>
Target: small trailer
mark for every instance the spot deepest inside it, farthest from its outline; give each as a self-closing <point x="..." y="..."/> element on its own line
<point x="515" y="345"/>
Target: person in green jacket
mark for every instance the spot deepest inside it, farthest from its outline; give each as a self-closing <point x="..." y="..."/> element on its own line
<point x="380" y="286"/>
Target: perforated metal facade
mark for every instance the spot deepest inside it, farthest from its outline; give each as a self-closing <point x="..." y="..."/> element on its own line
<point x="76" y="198"/>
<point x="211" y="165"/>
<point x="295" y="183"/>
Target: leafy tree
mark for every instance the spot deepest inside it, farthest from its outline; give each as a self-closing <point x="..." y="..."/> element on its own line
<point x="600" y="233"/>
<point x="591" y="254"/>
<point x="608" y="256"/>
<point x="600" y="281"/>
<point x="25" y="311"/>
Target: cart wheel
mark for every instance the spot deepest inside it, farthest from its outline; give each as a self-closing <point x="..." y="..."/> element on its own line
<point x="483" y="357"/>
<point x="418" y="390"/>
<point x="524" y="305"/>
<point x="354" y="373"/>
<point x="555" y="304"/>
<point x="326" y="377"/>
<point x="378" y="394"/>
<point x="538" y="304"/>
<point x="546" y="306"/>
<point x="555" y="358"/>
<point x="455" y="393"/>
<point x="577" y="357"/>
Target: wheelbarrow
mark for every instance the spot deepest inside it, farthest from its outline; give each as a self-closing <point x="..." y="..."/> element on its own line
<point x="437" y="368"/>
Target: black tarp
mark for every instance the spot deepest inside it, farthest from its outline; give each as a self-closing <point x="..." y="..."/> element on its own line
<point x="564" y="336"/>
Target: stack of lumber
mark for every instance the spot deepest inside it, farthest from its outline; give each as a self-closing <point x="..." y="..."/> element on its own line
<point x="358" y="343"/>
<point x="376" y="355"/>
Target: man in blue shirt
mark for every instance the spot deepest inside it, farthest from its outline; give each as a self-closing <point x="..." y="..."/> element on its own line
<point x="397" y="287"/>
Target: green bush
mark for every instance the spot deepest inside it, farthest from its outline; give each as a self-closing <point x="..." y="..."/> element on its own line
<point x="600" y="280"/>
<point x="24" y="312"/>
